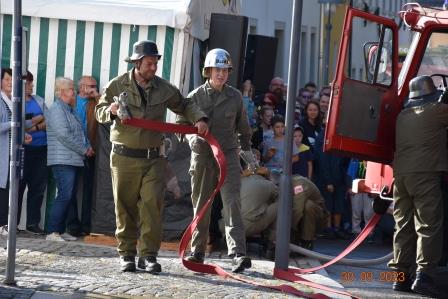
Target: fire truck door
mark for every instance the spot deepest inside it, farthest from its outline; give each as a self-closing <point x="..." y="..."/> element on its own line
<point x="363" y="104"/>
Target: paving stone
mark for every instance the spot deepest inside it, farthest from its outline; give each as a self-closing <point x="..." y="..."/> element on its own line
<point x="74" y="269"/>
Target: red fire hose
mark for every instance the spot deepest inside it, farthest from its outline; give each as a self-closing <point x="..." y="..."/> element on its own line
<point x="292" y="274"/>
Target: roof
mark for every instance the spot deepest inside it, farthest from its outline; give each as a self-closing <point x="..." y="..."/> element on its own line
<point x="191" y="15"/>
<point x="171" y="13"/>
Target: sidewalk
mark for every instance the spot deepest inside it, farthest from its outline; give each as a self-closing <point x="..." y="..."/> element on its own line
<point x="79" y="270"/>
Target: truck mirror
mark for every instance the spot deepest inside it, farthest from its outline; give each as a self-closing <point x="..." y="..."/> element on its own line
<point x="374" y="69"/>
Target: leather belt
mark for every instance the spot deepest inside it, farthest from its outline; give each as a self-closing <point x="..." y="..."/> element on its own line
<point x="149" y="153"/>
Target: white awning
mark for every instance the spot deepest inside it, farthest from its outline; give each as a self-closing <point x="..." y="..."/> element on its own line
<point x="172" y="13"/>
<point x="192" y="16"/>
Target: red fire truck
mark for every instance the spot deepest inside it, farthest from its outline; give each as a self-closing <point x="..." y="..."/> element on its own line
<point x="364" y="106"/>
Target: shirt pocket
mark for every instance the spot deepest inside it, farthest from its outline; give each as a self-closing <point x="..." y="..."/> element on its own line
<point x="230" y="118"/>
<point x="135" y="105"/>
<point x="156" y="108"/>
<point x="135" y="111"/>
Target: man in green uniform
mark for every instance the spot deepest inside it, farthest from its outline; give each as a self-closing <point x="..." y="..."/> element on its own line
<point x="259" y="205"/>
<point x="308" y="212"/>
<point x="419" y="162"/>
<point x="259" y="209"/>
<point x="228" y="123"/>
<point x="137" y="161"/>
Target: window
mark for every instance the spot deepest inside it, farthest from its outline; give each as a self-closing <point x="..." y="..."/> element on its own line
<point x="435" y="59"/>
<point x="279" y="33"/>
<point x="372" y="48"/>
<point x="253" y="26"/>
<point x="313" y="55"/>
<point x="303" y="57"/>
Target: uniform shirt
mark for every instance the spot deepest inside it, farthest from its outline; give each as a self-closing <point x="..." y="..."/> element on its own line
<point x="421" y="142"/>
<point x="159" y="95"/>
<point x="303" y="190"/>
<point x="227" y="121"/>
<point x="257" y="193"/>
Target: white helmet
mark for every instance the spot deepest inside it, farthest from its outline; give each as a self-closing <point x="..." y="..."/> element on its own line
<point x="219" y="58"/>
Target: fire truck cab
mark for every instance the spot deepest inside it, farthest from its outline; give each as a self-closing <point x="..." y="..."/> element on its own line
<point x="364" y="106"/>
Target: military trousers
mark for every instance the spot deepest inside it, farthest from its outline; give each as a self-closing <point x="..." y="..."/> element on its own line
<point x="139" y="188"/>
<point x="308" y="218"/>
<point x="265" y="222"/>
<point x="204" y="177"/>
<point x="418" y="215"/>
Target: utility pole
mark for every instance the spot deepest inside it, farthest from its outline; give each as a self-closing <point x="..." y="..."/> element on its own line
<point x="17" y="136"/>
<point x="285" y="204"/>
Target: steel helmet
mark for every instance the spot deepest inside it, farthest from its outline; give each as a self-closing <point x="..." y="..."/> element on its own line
<point x="421" y="86"/>
<point x="219" y="58"/>
<point x="143" y="48"/>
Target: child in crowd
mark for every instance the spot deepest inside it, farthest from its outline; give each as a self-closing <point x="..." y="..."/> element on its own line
<point x="361" y="202"/>
<point x="249" y="105"/>
<point x="302" y="159"/>
<point x="274" y="149"/>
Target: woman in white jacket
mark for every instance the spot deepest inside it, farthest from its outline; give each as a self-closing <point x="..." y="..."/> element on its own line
<point x="5" y="144"/>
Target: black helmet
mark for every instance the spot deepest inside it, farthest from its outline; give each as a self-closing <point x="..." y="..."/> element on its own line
<point x="143" y="48"/>
<point x="422" y="91"/>
<point x="421" y="86"/>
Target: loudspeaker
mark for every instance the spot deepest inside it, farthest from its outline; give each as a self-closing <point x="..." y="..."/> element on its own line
<point x="259" y="65"/>
<point x="229" y="32"/>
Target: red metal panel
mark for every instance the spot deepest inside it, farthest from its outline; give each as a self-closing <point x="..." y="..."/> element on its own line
<point x="382" y="149"/>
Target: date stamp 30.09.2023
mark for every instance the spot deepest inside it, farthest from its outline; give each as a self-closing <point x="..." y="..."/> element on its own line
<point x="383" y="276"/>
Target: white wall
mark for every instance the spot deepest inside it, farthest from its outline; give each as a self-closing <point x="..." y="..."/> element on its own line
<point x="268" y="15"/>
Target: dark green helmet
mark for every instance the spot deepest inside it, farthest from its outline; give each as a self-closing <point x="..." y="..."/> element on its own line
<point x="421" y="92"/>
<point x="421" y="87"/>
<point x="143" y="48"/>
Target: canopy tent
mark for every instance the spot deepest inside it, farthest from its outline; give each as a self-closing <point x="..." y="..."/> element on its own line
<point x="72" y="38"/>
<point x="79" y="37"/>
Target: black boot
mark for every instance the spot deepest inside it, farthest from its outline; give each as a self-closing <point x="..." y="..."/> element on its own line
<point x="241" y="262"/>
<point x="149" y="264"/>
<point x="403" y="285"/>
<point x="270" y="251"/>
<point x="127" y="263"/>
<point x="424" y="285"/>
<point x="196" y="257"/>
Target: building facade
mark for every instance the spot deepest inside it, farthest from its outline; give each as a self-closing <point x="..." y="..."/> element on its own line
<point x="274" y="19"/>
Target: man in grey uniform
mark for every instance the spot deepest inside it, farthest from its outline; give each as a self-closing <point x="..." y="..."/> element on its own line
<point x="227" y="121"/>
<point x="419" y="162"/>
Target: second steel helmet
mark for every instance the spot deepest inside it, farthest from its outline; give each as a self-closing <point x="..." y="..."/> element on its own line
<point x="421" y="86"/>
<point x="219" y="58"/>
<point x="422" y="91"/>
<point x="143" y="48"/>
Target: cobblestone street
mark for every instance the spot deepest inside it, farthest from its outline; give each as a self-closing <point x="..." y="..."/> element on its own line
<point x="79" y="270"/>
